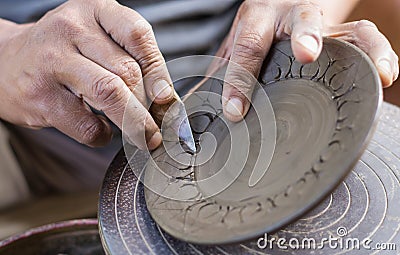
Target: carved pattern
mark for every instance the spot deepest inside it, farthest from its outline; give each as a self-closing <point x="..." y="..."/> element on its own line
<point x="353" y="89"/>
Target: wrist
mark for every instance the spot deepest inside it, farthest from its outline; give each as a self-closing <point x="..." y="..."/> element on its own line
<point x="8" y="30"/>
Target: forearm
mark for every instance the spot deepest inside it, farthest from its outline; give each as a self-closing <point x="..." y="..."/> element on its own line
<point x="336" y="11"/>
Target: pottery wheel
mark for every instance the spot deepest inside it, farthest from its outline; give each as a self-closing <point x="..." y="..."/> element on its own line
<point x="127" y="226"/>
<point x="365" y="204"/>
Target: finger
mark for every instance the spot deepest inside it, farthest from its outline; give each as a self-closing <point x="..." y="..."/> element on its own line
<point x="135" y="34"/>
<point x="365" y="35"/>
<point x="107" y="92"/>
<point x="224" y="52"/>
<point x="305" y="26"/>
<point x="251" y="44"/>
<point x="222" y="56"/>
<point x="72" y="116"/>
<point x="113" y="58"/>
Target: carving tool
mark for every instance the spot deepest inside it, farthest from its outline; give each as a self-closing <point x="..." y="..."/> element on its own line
<point x="173" y="115"/>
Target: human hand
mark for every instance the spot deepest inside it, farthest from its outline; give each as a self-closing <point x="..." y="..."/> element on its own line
<point x="258" y="23"/>
<point x="84" y="53"/>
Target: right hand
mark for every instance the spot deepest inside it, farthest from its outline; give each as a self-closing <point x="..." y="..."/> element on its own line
<point x="84" y="52"/>
<point x="259" y="23"/>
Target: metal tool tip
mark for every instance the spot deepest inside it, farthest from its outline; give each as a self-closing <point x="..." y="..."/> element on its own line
<point x="191" y="145"/>
<point x="185" y="135"/>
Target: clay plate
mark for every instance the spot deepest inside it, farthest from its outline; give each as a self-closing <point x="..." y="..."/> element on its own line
<point x="325" y="113"/>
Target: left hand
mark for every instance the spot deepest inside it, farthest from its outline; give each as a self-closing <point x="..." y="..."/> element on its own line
<point x="258" y="23"/>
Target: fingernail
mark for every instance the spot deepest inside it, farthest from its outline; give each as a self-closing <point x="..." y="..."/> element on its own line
<point x="234" y="107"/>
<point x="309" y="42"/>
<point x="154" y="141"/>
<point x="162" y="90"/>
<point x="385" y="66"/>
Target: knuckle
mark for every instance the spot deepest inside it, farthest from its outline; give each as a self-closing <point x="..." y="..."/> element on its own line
<point x="250" y="47"/>
<point x="66" y="24"/>
<point x="50" y="55"/>
<point x="60" y="21"/>
<point x="105" y="89"/>
<point x="310" y="5"/>
<point x="240" y="88"/>
<point x="97" y="3"/>
<point x="395" y="56"/>
<point x="130" y="72"/>
<point x="43" y="105"/>
<point x="392" y="56"/>
<point x="141" y="31"/>
<point x="245" y="6"/>
<point x="35" y="121"/>
<point x="307" y="11"/>
<point x="249" y="5"/>
<point x="31" y="92"/>
<point x="91" y="131"/>
<point x="36" y="90"/>
<point x="49" y="105"/>
<point x="240" y="82"/>
<point x="152" y="61"/>
<point x="52" y="59"/>
<point x="365" y="23"/>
